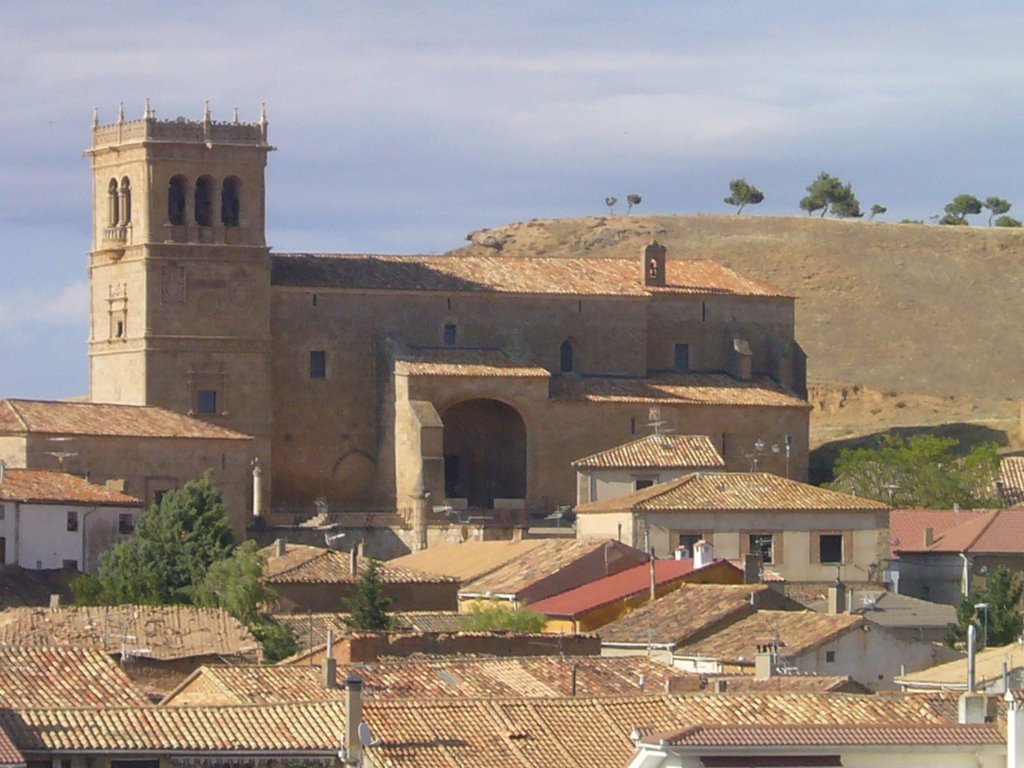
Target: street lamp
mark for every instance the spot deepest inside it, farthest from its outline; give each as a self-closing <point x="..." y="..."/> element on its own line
<point x="984" y="631"/>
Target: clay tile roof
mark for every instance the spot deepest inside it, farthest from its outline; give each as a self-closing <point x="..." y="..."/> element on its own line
<point x="997" y="532"/>
<point x="689" y="613"/>
<point x="311" y="727"/>
<point x="451" y="361"/>
<point x="311" y="628"/>
<point x="45" y="487"/>
<point x="734" y="491"/>
<point x="907" y="526"/>
<point x="677" y="389"/>
<point x="60" y="418"/>
<point x="657" y="452"/>
<point x="543" y="562"/>
<point x="953" y="674"/>
<point x="10" y="757"/>
<point x="533" y="676"/>
<point x="797" y="631"/>
<point x="1011" y="473"/>
<point x="467" y="560"/>
<point x="738" y="683"/>
<point x="831" y="735"/>
<point x="63" y="677"/>
<point x="571" y="276"/>
<point x="161" y="632"/>
<point x="619" y="586"/>
<point x="302" y="563"/>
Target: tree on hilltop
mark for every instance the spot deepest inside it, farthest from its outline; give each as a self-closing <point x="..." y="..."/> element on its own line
<point x="742" y="193"/>
<point x="828" y="193"/>
<point x="1008" y="221"/>
<point x="958" y="210"/>
<point x="610" y="202"/>
<point x="996" y="206"/>
<point x="877" y="210"/>
<point x="631" y="200"/>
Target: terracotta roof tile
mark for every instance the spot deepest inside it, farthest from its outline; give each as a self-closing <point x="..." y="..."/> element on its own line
<point x="542" y="562"/>
<point x="733" y="491"/>
<point x="831" y="735"/>
<point x="632" y="581"/>
<point x="161" y="632"/>
<point x="657" y="452"/>
<point x="797" y="631"/>
<point x="63" y="677"/>
<point x="10" y="757"/>
<point x="676" y="389"/>
<point x="999" y="531"/>
<point x="302" y="563"/>
<point x="467" y="560"/>
<point x="311" y="628"/>
<point x="952" y="676"/>
<point x="452" y="361"/>
<point x="59" y="418"/>
<point x="907" y="526"/>
<point x="801" y="683"/>
<point x="502" y="274"/>
<point x="45" y="487"/>
<point x="1011" y="473"/>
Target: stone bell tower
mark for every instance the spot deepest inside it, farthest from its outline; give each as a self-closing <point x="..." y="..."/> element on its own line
<point x="179" y="270"/>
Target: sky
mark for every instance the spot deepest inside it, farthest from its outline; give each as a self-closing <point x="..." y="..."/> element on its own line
<point x="402" y="126"/>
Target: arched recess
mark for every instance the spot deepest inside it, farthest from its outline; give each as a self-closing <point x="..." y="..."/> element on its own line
<point x="113" y="207"/>
<point x="231" y="201"/>
<point x="484" y="452"/>
<point x="126" y="201"/>
<point x="204" y="201"/>
<point x="566" y="357"/>
<point x="176" y="200"/>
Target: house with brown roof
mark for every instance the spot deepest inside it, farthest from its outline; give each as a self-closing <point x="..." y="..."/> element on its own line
<point x="642" y="463"/>
<point x="801" y="531"/>
<point x="52" y="520"/>
<point x="320" y="580"/>
<point x="142" y="451"/>
<point x="949" y="566"/>
<point x="63" y="677"/>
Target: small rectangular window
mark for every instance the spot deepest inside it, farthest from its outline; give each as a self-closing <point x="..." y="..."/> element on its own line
<point x="640" y="483"/>
<point x="830" y="548"/>
<point x="70" y="565"/>
<point x="830" y="657"/>
<point x="450" y="334"/>
<point x="681" y="358"/>
<point x="3" y="511"/>
<point x="126" y="523"/>
<point x="318" y="364"/>
<point x="72" y="520"/>
<point x="206" y="401"/>
<point x="763" y="544"/>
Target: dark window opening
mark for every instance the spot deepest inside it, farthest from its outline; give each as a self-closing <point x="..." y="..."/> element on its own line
<point x="639" y="485"/>
<point x="632" y="426"/>
<point x="703" y="311"/>
<point x="230" y="202"/>
<point x="158" y="496"/>
<point x="681" y="358"/>
<point x="69" y="565"/>
<point x="3" y="550"/>
<point x="72" y="521"/>
<point x="126" y="201"/>
<point x="204" y="201"/>
<point x="830" y="657"/>
<point x="176" y="201"/>
<point x="314" y="299"/>
<point x="763" y="544"/>
<point x="451" y="333"/>
<point x="830" y="548"/>
<point x="687" y="540"/>
<point x="565" y="355"/>
<point x="113" y="209"/>
<point x="318" y="364"/>
<point x="119" y="330"/>
<point x="452" y="484"/>
<point x="206" y="401"/>
<point x="125" y="523"/>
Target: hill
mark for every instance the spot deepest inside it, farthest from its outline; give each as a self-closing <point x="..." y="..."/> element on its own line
<point x="904" y="325"/>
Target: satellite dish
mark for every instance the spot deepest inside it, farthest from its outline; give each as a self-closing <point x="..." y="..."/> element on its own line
<point x="365" y="735"/>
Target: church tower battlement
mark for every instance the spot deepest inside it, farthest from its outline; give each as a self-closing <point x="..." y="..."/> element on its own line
<point x="179" y="270"/>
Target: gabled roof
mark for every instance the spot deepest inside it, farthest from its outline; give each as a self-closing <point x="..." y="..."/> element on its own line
<point x="311" y="628"/>
<point x="733" y="491"/>
<point x="952" y="676"/>
<point x="1011" y="473"/>
<point x="676" y="389"/>
<point x="619" y="586"/>
<point x="690" y="613"/>
<point x="452" y="361"/>
<point x="40" y="486"/>
<point x="907" y="526"/>
<point x="302" y="563"/>
<point x="797" y="632"/>
<point x="10" y="757"/>
<point x="567" y="276"/>
<point x="999" y="531"/>
<point x="63" y="677"/>
<point x="467" y="560"/>
<point x="161" y="632"/>
<point x="544" y="562"/>
<point x="51" y="417"/>
<point x="657" y="452"/>
<point x="799" y="683"/>
<point x="888" y="609"/>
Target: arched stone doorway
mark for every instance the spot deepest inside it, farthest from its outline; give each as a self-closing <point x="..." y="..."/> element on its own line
<point x="484" y="452"/>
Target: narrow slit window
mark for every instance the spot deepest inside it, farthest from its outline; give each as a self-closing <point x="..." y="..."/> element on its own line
<point x="565" y="354"/>
<point x="318" y="364"/>
<point x="451" y="333"/>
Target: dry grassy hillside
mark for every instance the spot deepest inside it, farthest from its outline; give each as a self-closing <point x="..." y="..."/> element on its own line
<point x="903" y="324"/>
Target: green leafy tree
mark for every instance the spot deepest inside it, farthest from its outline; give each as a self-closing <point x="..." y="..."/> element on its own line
<point x="494" y="616"/>
<point x="610" y="202"/>
<point x="958" y="210"/>
<point x="828" y="193"/>
<point x="631" y="200"/>
<point x="996" y="206"/>
<point x="920" y="471"/>
<point x="1007" y="221"/>
<point x="742" y="194"/>
<point x="877" y="210"/>
<point x="1004" y="621"/>
<point x="368" y="606"/>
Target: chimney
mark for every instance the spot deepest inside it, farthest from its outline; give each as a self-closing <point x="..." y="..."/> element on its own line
<point x="257" y="488"/>
<point x="353" y="717"/>
<point x="972" y="707"/>
<point x="329" y="669"/>
<point x="764" y="663"/>
<point x="703" y="554"/>
<point x="837" y="598"/>
<point x="280" y="547"/>
<point x="653" y="265"/>
<point x="720" y="685"/>
<point x="929" y="536"/>
<point x="682" y="553"/>
<point x="752" y="569"/>
<point x="54" y="602"/>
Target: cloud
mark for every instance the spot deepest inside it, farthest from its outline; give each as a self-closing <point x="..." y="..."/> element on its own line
<point x="34" y="310"/>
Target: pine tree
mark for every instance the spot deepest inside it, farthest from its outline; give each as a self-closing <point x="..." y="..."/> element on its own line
<point x="368" y="606"/>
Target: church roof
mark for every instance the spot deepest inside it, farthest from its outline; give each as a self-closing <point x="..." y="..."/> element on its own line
<point x="107" y="419"/>
<point x="451" y="361"/>
<point x="570" y="276"/>
<point x="655" y="452"/>
<point x="677" y="389"/>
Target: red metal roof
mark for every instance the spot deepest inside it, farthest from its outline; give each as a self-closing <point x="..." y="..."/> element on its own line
<point x="617" y="587"/>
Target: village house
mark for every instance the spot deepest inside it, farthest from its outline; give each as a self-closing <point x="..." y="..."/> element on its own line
<point x="996" y="670"/>
<point x="905" y="617"/>
<point x="56" y="520"/>
<point x="64" y="677"/>
<point x="803" y="532"/>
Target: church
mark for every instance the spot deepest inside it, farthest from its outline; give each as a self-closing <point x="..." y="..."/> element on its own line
<point x="363" y="379"/>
